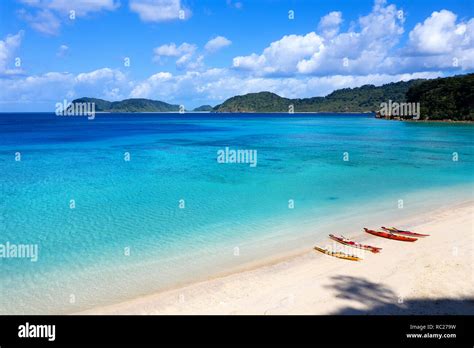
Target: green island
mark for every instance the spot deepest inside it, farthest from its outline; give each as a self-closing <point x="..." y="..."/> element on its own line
<point x="448" y="98"/>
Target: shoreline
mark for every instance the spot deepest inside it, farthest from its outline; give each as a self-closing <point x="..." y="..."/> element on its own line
<point x="263" y="112"/>
<point x="426" y="120"/>
<point x="298" y="278"/>
<point x="227" y="113"/>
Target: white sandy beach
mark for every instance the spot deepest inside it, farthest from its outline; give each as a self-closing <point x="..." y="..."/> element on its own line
<point x="434" y="275"/>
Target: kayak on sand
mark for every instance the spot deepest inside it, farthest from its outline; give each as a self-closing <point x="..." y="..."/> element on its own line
<point x="338" y="254"/>
<point x="406" y="233"/>
<point x="390" y="235"/>
<point x="351" y="243"/>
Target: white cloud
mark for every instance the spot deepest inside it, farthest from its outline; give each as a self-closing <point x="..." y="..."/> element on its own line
<point x="189" y="62"/>
<point x="159" y="10"/>
<point x="368" y="47"/>
<point x="282" y="56"/>
<point x="8" y="46"/>
<point x="171" y="50"/>
<point x="442" y="42"/>
<point x="44" y="21"/>
<point x="100" y="75"/>
<point x="45" y="16"/>
<point x="185" y="54"/>
<point x="355" y="52"/>
<point x="146" y="89"/>
<point x="62" y="51"/>
<point x="329" y="25"/>
<point x="237" y="4"/>
<point x="49" y="88"/>
<point x="217" y="43"/>
<point x="436" y="34"/>
<point x="215" y="85"/>
<point x="37" y="89"/>
<point x="362" y="51"/>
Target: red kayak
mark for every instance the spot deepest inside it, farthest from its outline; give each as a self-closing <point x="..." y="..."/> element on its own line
<point x="406" y="233"/>
<point x="351" y="243"/>
<point x="390" y="236"/>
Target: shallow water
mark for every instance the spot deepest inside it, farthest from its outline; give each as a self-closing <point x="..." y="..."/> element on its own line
<point x="233" y="213"/>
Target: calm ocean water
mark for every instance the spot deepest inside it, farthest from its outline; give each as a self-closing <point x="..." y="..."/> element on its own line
<point x="233" y="213"/>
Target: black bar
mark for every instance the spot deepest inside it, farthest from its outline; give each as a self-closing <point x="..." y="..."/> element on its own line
<point x="228" y="330"/>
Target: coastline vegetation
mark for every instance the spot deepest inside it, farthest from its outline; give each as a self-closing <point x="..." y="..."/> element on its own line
<point x="448" y="98"/>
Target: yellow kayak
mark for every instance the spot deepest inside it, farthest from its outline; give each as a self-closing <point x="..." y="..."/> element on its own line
<point x="338" y="254"/>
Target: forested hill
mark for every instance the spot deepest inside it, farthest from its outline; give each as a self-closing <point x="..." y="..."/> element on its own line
<point x="449" y="98"/>
<point x="361" y="99"/>
<point x="129" y="105"/>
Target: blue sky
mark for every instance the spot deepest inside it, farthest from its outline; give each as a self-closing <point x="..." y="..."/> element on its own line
<point x="202" y="52"/>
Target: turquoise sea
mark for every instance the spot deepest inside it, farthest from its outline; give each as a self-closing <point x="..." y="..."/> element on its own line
<point x="172" y="214"/>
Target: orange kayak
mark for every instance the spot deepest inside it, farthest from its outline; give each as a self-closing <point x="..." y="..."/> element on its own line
<point x="351" y="243"/>
<point x="406" y="233"/>
<point x="390" y="236"/>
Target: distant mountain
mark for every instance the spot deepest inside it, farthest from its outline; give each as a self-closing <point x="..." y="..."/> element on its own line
<point x="445" y="98"/>
<point x="129" y="105"/>
<point x="100" y="104"/>
<point x="255" y="102"/>
<point x="361" y="99"/>
<point x="204" y="108"/>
